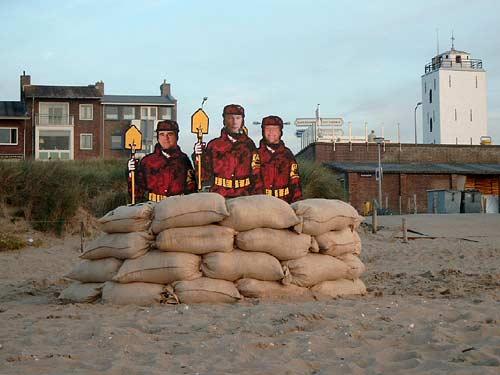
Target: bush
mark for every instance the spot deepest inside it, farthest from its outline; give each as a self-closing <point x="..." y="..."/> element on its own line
<point x="49" y="193"/>
<point x="10" y="242"/>
<point x="319" y="182"/>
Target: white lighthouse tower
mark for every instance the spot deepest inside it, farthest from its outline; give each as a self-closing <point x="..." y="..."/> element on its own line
<point x="454" y="99"/>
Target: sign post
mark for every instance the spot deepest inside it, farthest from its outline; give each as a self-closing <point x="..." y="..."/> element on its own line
<point x="133" y="142"/>
<point x="199" y="126"/>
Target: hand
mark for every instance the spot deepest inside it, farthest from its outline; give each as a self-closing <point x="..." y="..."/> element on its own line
<point x="131" y="165"/>
<point x="199" y="147"/>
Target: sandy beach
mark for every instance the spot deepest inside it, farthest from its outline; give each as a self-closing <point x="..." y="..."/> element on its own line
<point x="432" y="307"/>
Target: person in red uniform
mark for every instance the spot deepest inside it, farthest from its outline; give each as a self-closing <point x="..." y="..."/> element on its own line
<point x="166" y="171"/>
<point x="230" y="163"/>
<point x="279" y="169"/>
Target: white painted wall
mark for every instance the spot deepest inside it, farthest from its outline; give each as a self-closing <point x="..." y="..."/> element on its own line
<point x="464" y="96"/>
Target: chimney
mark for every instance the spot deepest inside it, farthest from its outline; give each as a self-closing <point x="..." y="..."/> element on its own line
<point x="100" y="87"/>
<point x="165" y="88"/>
<point x="24" y="81"/>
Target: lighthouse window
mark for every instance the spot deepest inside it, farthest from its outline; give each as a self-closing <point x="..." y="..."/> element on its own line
<point x="458" y="59"/>
<point x="430" y="96"/>
<point x="471" y="114"/>
<point x="455" y="114"/>
<point x="434" y="83"/>
<point x="430" y="125"/>
<point x="476" y="82"/>
<point x="425" y="86"/>
<point x="449" y="80"/>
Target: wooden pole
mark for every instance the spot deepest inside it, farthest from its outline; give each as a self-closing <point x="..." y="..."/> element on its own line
<point x="374" y="218"/>
<point x="400" y="206"/>
<point x="415" y="203"/>
<point x="408" y="207"/>
<point x="405" y="230"/>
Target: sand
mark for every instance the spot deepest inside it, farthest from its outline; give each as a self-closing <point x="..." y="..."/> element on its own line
<point x="432" y="307"/>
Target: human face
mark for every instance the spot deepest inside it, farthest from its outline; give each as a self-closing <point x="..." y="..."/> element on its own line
<point x="272" y="134"/>
<point x="167" y="139"/>
<point x="233" y="123"/>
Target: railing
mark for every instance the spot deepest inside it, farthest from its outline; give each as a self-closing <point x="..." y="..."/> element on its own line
<point x="449" y="64"/>
<point x="54" y="120"/>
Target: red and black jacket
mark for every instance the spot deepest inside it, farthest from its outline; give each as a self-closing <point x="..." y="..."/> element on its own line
<point x="279" y="171"/>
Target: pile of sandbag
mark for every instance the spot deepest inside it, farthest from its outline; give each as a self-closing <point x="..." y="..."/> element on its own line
<point x="202" y="248"/>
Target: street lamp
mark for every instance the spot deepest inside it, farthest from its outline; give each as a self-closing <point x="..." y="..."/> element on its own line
<point x="419" y="103"/>
<point x="379" y="141"/>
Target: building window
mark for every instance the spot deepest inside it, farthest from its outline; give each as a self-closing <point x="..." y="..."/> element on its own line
<point x="86" y="112"/>
<point x="54" y="144"/>
<point x="129" y="113"/>
<point x="449" y="80"/>
<point x="430" y="125"/>
<point x="86" y="141"/>
<point x="455" y="114"/>
<point x="8" y="136"/>
<point x="458" y="59"/>
<point x="430" y="96"/>
<point x="471" y="115"/>
<point x="111" y="113"/>
<point x="165" y="113"/>
<point x="54" y="114"/>
<point x="116" y="142"/>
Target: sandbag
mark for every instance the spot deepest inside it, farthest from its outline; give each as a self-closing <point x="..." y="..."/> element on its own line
<point x="280" y="243"/>
<point x="259" y="211"/>
<point x="322" y="215"/>
<point x="205" y="290"/>
<point x="196" y="240"/>
<point x="336" y="243"/>
<point x="160" y="268"/>
<point x="81" y="293"/>
<point x="342" y="287"/>
<point x="356" y="266"/>
<point x="315" y="268"/>
<point x="118" y="245"/>
<point x="189" y="211"/>
<point x="252" y="288"/>
<point x="125" y="219"/>
<point x="239" y="264"/>
<point x="142" y="294"/>
<point x="95" y="271"/>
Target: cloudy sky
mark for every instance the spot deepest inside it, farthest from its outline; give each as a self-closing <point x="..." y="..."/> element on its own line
<point x="360" y="60"/>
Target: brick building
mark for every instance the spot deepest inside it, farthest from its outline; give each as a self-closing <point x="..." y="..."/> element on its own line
<point x="77" y="122"/>
<point x="13" y="119"/>
<point x="409" y="170"/>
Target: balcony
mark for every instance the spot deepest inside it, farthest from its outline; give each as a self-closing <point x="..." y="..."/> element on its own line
<point x="50" y="120"/>
<point x="454" y="64"/>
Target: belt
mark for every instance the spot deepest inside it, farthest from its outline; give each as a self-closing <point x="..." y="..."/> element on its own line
<point x="156" y="197"/>
<point x="278" y="192"/>
<point x="227" y="183"/>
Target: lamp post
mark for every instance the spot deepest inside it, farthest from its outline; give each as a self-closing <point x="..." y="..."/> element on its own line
<point x="379" y="141"/>
<point x="419" y="103"/>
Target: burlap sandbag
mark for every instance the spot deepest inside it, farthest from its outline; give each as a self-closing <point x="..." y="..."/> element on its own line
<point x="338" y="288"/>
<point x="313" y="269"/>
<point x="95" y="271"/>
<point x="206" y="290"/>
<point x="259" y="211"/>
<point x="354" y="263"/>
<point x="126" y="219"/>
<point x="196" y="240"/>
<point x="81" y="293"/>
<point x="160" y="268"/>
<point x="339" y="242"/>
<point x="189" y="211"/>
<point x="281" y="243"/>
<point x="118" y="245"/>
<point x="239" y="264"/>
<point x="142" y="294"/>
<point x="252" y="288"/>
<point x="322" y="215"/>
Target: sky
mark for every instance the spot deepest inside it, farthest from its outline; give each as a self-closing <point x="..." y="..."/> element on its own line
<point x="361" y="60"/>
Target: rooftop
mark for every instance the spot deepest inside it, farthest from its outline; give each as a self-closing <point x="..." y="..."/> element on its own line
<point x="138" y="99"/>
<point x="66" y="92"/>
<point x="12" y="109"/>
<point x="437" y="168"/>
